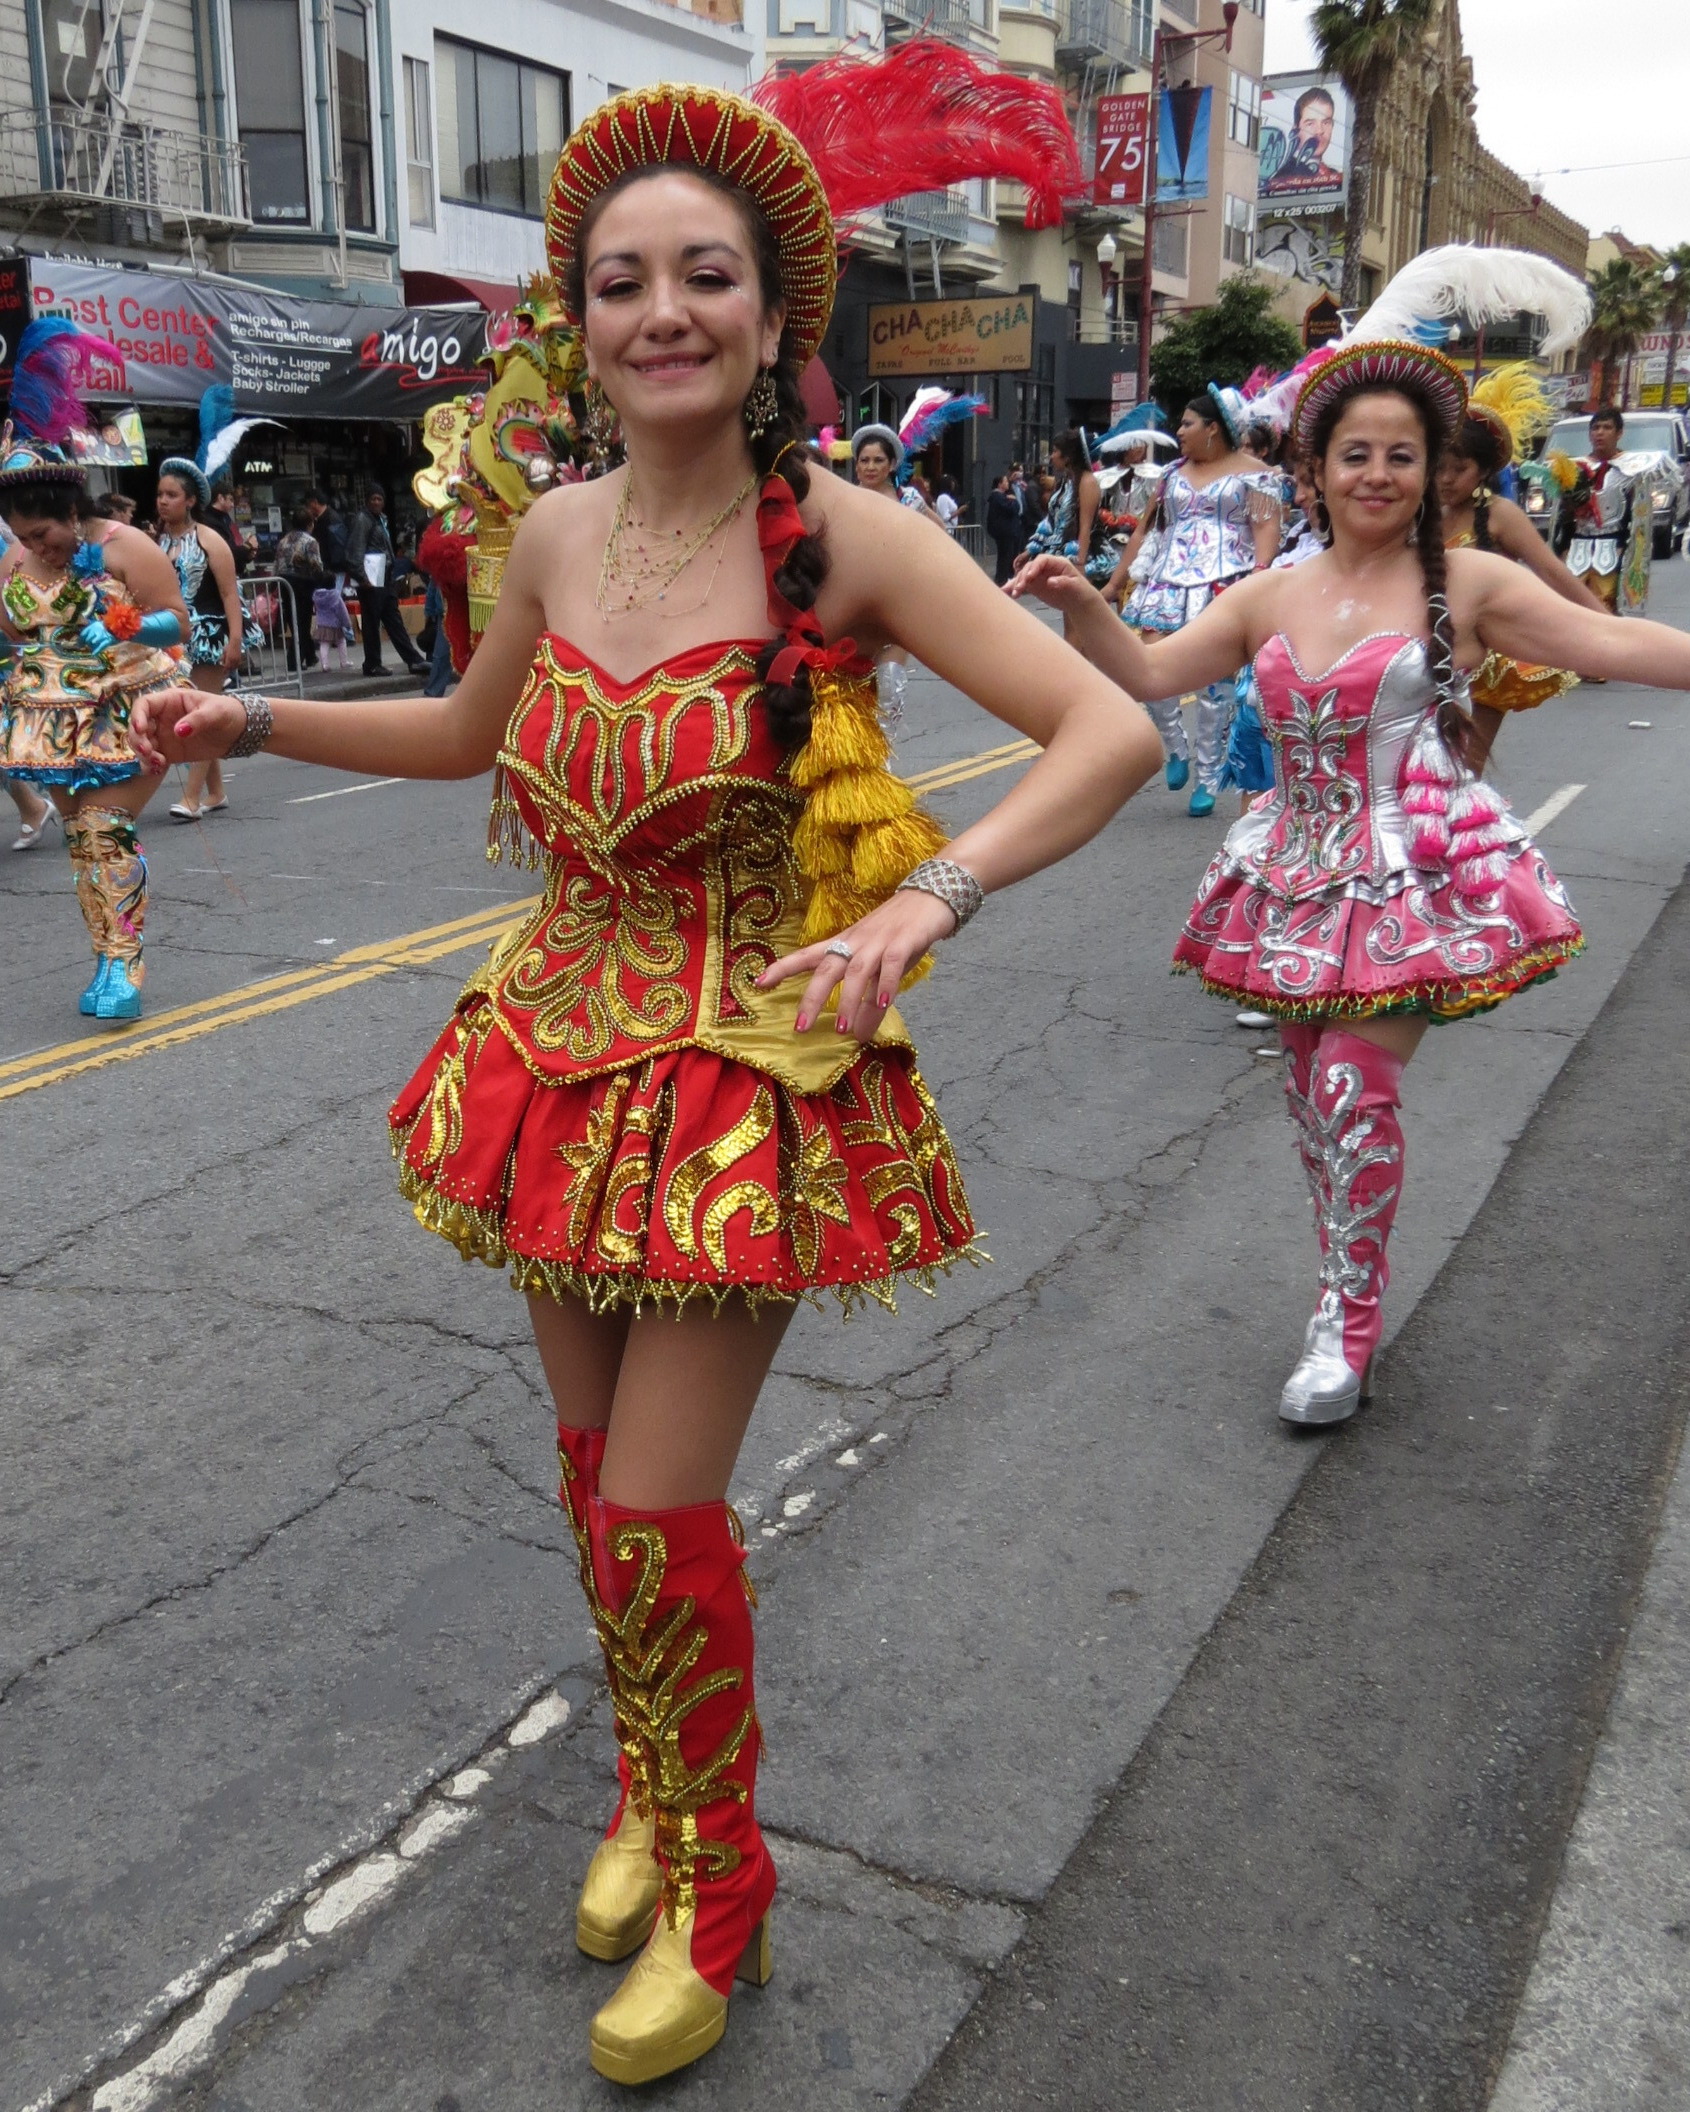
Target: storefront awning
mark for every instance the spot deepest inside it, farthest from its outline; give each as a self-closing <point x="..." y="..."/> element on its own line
<point x="434" y="289"/>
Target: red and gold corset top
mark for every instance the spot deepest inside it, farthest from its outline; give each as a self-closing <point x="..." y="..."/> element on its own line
<point x="665" y="814"/>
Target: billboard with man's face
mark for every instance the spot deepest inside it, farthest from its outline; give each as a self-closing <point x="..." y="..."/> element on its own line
<point x="1305" y="150"/>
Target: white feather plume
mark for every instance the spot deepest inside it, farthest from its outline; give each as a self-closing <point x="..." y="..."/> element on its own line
<point x="1484" y="286"/>
<point x="221" y="450"/>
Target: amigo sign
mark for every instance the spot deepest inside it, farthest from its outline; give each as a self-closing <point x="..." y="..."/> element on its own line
<point x="990" y="335"/>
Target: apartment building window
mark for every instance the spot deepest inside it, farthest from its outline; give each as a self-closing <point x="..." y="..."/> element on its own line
<point x="1244" y="111"/>
<point x="270" y="96"/>
<point x="419" y="144"/>
<point x="1170" y="244"/>
<point x="73" y="33"/>
<point x="357" y="137"/>
<point x="502" y="127"/>
<point x="1238" y="233"/>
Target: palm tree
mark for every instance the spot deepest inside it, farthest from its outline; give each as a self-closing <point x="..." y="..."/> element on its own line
<point x="1625" y="304"/>
<point x="1675" y="308"/>
<point x="1362" y="41"/>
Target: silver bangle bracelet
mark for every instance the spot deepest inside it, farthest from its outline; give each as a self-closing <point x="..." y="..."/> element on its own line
<point x="954" y="885"/>
<point x="260" y="724"/>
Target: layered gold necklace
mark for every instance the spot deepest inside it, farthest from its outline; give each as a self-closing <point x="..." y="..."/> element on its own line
<point x="640" y="565"/>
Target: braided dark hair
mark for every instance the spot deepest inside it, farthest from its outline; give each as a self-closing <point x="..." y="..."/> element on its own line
<point x="1478" y="441"/>
<point x="1453" y="722"/>
<point x="781" y="449"/>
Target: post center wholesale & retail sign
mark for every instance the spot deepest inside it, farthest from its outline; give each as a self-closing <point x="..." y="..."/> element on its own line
<point x="279" y="355"/>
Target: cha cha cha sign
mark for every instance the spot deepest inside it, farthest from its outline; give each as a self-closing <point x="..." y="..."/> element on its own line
<point x="310" y="358"/>
<point x="990" y="335"/>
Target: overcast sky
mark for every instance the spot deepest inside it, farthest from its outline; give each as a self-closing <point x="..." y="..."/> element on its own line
<point x="1564" y="84"/>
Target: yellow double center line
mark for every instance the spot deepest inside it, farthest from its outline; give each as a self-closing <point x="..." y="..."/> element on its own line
<point x="359" y="964"/>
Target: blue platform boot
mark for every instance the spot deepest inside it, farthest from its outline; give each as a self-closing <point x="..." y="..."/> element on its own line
<point x="89" y="1002"/>
<point x="118" y="998"/>
<point x="1176" y="770"/>
<point x="1202" y="802"/>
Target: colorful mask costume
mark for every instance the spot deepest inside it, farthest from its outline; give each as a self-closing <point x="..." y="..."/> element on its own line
<point x="616" y="1112"/>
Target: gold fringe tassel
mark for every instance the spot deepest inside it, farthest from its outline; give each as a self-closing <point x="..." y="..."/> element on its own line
<point x="508" y="839"/>
<point x="861" y="831"/>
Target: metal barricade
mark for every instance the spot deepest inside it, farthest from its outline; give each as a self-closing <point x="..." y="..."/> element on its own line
<point x="275" y="663"/>
<point x="974" y="540"/>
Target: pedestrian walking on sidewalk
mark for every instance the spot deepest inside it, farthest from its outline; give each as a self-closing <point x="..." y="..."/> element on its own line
<point x="299" y="562"/>
<point x="676" y="1102"/>
<point x="1384" y="886"/>
<point x="371" y="560"/>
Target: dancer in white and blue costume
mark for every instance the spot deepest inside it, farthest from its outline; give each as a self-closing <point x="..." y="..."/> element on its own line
<point x="1218" y="516"/>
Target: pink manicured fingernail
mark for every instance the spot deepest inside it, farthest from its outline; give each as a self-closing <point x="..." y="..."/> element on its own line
<point x="801" y="1024"/>
<point x="183" y="729"/>
<point x="884" y="1001"/>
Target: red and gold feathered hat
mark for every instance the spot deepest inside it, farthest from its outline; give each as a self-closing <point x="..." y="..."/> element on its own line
<point x="817" y="147"/>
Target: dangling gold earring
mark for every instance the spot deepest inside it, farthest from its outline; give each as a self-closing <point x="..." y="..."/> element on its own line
<point x="762" y="406"/>
<point x="601" y="416"/>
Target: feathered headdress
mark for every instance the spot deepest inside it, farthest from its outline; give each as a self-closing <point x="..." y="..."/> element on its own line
<point x="55" y="362"/>
<point x="1511" y="401"/>
<point x="1483" y="286"/>
<point x="816" y="147"/>
<point x="924" y="116"/>
<point x="931" y="411"/>
<point x="1414" y="313"/>
<point x="221" y="432"/>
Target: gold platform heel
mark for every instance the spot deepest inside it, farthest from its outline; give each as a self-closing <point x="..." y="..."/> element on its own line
<point x="622" y="1891"/>
<point x="666" y="2015"/>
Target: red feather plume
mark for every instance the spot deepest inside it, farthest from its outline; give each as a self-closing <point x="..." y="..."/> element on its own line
<point x="924" y="116"/>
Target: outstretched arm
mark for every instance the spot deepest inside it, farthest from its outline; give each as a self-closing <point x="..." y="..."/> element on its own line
<point x="1209" y="649"/>
<point x="455" y="736"/>
<point x="1514" y="536"/>
<point x="1514" y="613"/>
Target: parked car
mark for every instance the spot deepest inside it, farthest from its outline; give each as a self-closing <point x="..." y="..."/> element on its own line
<point x="1646" y="433"/>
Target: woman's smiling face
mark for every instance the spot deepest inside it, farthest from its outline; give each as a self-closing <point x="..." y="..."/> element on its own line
<point x="676" y="325"/>
<point x="1374" y="475"/>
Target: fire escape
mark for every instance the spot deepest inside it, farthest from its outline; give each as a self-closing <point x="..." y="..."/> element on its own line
<point x="87" y="165"/>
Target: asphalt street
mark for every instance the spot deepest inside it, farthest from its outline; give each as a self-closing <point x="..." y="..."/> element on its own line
<point x="1109" y="1726"/>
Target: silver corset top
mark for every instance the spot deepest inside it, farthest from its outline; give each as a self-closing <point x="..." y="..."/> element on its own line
<point x="1340" y="740"/>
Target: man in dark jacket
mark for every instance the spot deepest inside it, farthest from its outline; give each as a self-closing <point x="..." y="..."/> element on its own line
<point x="1003" y="525"/>
<point x="370" y="560"/>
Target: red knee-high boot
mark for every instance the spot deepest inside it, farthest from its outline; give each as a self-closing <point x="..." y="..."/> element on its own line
<point x="624" y="1882"/>
<point x="1354" y="1093"/>
<point x="676" y="1616"/>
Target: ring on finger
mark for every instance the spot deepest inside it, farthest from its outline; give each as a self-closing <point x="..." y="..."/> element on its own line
<point x="839" y="947"/>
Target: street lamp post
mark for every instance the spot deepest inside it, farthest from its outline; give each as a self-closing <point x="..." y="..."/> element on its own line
<point x="1496" y="213"/>
<point x="1190" y="38"/>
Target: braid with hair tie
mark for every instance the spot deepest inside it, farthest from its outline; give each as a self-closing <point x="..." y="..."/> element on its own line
<point x="779" y="451"/>
<point x="1453" y="722"/>
<point x="1481" y="519"/>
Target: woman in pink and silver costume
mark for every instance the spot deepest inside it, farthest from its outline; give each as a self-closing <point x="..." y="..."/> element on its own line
<point x="1219" y="514"/>
<point x="1382" y="886"/>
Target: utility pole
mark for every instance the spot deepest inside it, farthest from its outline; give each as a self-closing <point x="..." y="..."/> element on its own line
<point x="1190" y="38"/>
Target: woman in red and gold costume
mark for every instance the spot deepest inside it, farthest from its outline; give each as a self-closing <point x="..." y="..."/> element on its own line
<point x="679" y="1096"/>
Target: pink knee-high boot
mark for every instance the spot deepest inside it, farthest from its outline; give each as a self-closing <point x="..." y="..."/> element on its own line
<point x="1298" y="1040"/>
<point x="1351" y="1105"/>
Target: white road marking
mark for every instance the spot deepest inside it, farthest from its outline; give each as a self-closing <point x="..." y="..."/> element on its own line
<point x="369" y="1879"/>
<point x="1557" y="803"/>
<point x="439" y="1823"/>
<point x="550" y="1713"/>
<point x="796" y="1506"/>
<point x="372" y="784"/>
<point x="188" y="2046"/>
<point x="361" y="1887"/>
